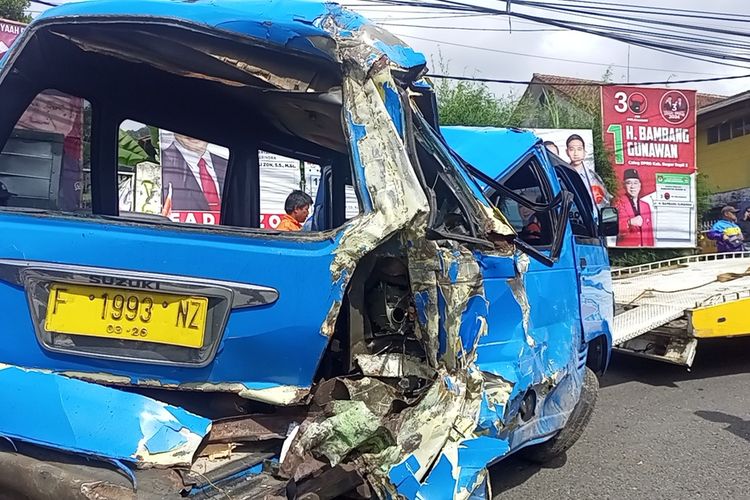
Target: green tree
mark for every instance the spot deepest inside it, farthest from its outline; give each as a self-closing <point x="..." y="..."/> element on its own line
<point x="130" y="152"/>
<point x="470" y="103"/>
<point x="15" y="10"/>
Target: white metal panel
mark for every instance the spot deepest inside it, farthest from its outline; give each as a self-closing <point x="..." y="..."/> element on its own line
<point x="657" y="293"/>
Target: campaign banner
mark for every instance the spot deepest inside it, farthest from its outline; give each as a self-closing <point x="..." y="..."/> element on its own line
<point x="576" y="146"/>
<point x="9" y="31"/>
<point x="650" y="133"/>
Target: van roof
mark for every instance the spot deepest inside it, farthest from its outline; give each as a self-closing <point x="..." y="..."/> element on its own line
<point x="493" y="150"/>
<point x="313" y="27"/>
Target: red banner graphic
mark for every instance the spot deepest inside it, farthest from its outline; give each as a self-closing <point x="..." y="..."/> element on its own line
<point x="651" y="136"/>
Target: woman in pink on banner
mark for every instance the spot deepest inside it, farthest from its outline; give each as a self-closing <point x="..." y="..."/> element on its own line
<point x="636" y="227"/>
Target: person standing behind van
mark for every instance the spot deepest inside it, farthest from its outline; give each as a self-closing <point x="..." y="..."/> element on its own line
<point x="297" y="208"/>
<point x="726" y="232"/>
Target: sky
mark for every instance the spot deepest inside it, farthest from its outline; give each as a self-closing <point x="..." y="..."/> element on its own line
<point x="518" y="54"/>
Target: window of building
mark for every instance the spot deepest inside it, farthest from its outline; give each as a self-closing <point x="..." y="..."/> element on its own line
<point x="725" y="131"/>
<point x="738" y="128"/>
<point x="713" y="135"/>
<point x="732" y="129"/>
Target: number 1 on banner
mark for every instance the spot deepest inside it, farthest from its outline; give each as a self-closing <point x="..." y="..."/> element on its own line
<point x="616" y="131"/>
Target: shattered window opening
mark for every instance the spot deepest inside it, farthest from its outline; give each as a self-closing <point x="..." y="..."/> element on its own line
<point x="236" y="94"/>
<point x="453" y="214"/>
<point x="580" y="216"/>
<point x="535" y="227"/>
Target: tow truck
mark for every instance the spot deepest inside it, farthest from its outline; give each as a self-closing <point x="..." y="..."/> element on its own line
<point x="664" y="309"/>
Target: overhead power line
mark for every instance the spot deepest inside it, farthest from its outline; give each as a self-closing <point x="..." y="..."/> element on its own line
<point x="586" y="84"/>
<point x="657" y="11"/>
<point x="549" y="58"/>
<point x="695" y="50"/>
<point x="48" y="4"/>
<point x="466" y="28"/>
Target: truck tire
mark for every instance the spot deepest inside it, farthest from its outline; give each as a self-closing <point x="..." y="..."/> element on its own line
<point x="579" y="418"/>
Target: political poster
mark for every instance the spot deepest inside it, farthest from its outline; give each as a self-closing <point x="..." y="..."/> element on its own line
<point x="9" y="31"/>
<point x="651" y="135"/>
<point x="576" y="146"/>
<point x="193" y="174"/>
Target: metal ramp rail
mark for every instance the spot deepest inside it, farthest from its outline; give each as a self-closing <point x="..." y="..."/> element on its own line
<point x="651" y="295"/>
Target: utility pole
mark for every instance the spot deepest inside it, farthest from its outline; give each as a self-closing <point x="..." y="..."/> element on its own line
<point x="628" y="62"/>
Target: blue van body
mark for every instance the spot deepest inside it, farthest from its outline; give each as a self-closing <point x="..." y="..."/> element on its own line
<point x="401" y="351"/>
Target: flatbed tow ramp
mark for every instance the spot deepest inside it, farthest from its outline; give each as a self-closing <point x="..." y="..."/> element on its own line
<point x="664" y="308"/>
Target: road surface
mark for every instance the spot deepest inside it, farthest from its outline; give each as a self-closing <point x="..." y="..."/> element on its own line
<point x="659" y="431"/>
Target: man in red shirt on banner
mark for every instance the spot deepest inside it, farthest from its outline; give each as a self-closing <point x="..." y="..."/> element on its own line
<point x="636" y="229"/>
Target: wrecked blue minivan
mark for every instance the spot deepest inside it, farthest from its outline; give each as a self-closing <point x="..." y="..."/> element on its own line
<point x="393" y="350"/>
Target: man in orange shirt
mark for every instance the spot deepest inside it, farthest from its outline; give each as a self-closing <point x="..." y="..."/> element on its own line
<point x="297" y="208"/>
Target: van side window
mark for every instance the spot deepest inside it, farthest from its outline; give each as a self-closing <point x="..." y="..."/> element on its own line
<point x="580" y="216"/>
<point x="533" y="227"/>
<point x="166" y="176"/>
<point x="45" y="161"/>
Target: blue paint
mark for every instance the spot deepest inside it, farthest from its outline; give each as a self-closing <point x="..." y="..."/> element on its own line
<point x="166" y="438"/>
<point x="421" y="302"/>
<point x="494" y="151"/>
<point x="440" y="482"/>
<point x="489" y="415"/>
<point x="444" y="481"/>
<point x="474" y="455"/>
<point x="453" y="272"/>
<point x="471" y="322"/>
<point x="357" y="132"/>
<point x="292" y="267"/>
<point x="393" y="105"/>
<point x="501" y="267"/>
<point x="71" y="415"/>
<point x="402" y="476"/>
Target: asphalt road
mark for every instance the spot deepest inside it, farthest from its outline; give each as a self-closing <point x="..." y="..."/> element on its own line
<point x="658" y="432"/>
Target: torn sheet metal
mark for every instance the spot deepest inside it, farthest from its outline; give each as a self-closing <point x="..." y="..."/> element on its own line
<point x="393" y="365"/>
<point x="96" y="420"/>
<point x="353" y="425"/>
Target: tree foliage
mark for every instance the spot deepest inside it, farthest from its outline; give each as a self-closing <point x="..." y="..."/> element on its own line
<point x="469" y="103"/>
<point x="130" y="152"/>
<point x="15" y="10"/>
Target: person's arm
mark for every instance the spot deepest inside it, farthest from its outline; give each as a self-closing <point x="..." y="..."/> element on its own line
<point x="623" y="221"/>
<point x="716" y="232"/>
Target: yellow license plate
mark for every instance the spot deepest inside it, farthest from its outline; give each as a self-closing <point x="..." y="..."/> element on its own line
<point x="116" y="313"/>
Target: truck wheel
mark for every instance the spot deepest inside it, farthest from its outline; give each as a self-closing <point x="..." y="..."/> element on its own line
<point x="573" y="429"/>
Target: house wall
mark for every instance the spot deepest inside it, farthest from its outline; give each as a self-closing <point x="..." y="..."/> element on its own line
<point x="725" y="163"/>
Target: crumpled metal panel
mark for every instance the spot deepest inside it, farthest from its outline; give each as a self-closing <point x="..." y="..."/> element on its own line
<point x="75" y="416"/>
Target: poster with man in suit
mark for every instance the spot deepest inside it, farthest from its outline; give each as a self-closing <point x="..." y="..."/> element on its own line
<point x="192" y="179"/>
